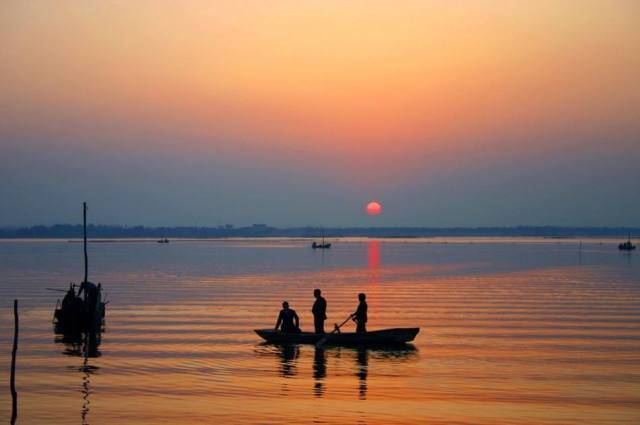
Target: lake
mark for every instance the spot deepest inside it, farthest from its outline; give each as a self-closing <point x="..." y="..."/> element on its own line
<point x="513" y="331"/>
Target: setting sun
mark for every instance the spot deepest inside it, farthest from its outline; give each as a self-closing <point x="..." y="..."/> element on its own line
<point x="225" y="150"/>
<point x="374" y="208"/>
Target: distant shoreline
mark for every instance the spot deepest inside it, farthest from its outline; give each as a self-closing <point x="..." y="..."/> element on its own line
<point x="103" y="233"/>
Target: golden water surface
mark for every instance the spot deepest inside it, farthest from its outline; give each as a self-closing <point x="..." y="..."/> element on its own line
<point x="511" y="333"/>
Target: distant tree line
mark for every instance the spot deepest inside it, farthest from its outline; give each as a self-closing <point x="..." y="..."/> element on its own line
<point x="261" y="230"/>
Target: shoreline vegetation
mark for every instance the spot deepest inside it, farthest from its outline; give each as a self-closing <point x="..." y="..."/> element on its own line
<point x="104" y="233"/>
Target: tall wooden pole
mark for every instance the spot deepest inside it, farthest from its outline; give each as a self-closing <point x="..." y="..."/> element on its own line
<point x="12" y="382"/>
<point x="86" y="258"/>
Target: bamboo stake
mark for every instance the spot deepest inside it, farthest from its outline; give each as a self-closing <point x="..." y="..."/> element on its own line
<point x="86" y="258"/>
<point x="12" y="383"/>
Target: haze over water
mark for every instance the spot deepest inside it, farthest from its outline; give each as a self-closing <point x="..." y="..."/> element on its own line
<point x="516" y="333"/>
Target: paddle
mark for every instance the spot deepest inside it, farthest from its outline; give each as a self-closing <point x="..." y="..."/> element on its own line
<point x="336" y="328"/>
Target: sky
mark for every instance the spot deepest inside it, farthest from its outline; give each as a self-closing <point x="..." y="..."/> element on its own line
<point x="203" y="113"/>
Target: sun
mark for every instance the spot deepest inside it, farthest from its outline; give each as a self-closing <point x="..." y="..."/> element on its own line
<point x="374" y="208"/>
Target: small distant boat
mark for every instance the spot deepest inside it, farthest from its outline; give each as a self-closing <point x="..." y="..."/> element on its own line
<point x="73" y="314"/>
<point x="627" y="246"/>
<point x="393" y="336"/>
<point x="322" y="245"/>
<point x="164" y="240"/>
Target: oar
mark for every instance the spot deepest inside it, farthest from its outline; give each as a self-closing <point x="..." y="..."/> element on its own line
<point x="336" y="328"/>
<point x="54" y="289"/>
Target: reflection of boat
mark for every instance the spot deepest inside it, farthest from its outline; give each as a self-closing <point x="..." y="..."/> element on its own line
<point x="83" y="345"/>
<point x="74" y="314"/>
<point x="291" y="355"/>
<point x="164" y="240"/>
<point x="373" y="338"/>
<point x="627" y="246"/>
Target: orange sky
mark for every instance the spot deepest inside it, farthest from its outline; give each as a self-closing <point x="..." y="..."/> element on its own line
<point x="354" y="72"/>
<point x="358" y="84"/>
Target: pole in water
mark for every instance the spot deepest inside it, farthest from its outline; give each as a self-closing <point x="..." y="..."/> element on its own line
<point x="86" y="259"/>
<point x="12" y="382"/>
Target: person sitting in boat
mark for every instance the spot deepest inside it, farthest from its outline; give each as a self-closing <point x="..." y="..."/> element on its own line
<point x="91" y="293"/>
<point x="288" y="320"/>
<point x="360" y="315"/>
<point x="319" y="311"/>
<point x="69" y="298"/>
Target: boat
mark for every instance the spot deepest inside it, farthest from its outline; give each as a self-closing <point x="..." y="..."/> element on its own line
<point x="322" y="245"/>
<point x="73" y="314"/>
<point x="627" y="246"/>
<point x="394" y="336"/>
<point x="164" y="240"/>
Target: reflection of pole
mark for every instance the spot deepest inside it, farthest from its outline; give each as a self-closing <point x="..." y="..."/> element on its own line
<point x="86" y="390"/>
<point x="363" y="366"/>
<point x="12" y="382"/>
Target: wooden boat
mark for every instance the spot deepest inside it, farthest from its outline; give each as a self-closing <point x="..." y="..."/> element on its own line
<point x="165" y="240"/>
<point x="627" y="246"/>
<point x="381" y="337"/>
<point x="321" y="245"/>
<point x="76" y="317"/>
<point x="74" y="314"/>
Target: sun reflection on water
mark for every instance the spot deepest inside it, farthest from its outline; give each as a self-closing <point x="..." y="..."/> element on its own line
<point x="506" y="333"/>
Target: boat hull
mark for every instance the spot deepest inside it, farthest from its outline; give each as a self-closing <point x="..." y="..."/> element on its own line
<point x="68" y="321"/>
<point x="393" y="336"/>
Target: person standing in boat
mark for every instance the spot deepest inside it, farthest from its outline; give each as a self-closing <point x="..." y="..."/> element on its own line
<point x="91" y="292"/>
<point x="72" y="305"/>
<point x="69" y="298"/>
<point x="319" y="311"/>
<point x="360" y="315"/>
<point x="288" y="320"/>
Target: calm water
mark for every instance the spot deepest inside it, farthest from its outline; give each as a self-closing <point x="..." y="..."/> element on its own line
<point x="511" y="333"/>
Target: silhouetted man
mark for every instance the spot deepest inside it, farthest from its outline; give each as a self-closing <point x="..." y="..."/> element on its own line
<point x="69" y="297"/>
<point x="288" y="320"/>
<point x="90" y="295"/>
<point x="360" y="316"/>
<point x="72" y="306"/>
<point x="319" y="311"/>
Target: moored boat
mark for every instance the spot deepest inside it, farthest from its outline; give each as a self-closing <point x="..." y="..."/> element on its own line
<point x="392" y="336"/>
<point x="321" y="245"/>
<point x="75" y="314"/>
<point x="627" y="246"/>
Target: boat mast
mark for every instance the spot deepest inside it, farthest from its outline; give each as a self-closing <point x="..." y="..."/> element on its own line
<point x="86" y="259"/>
